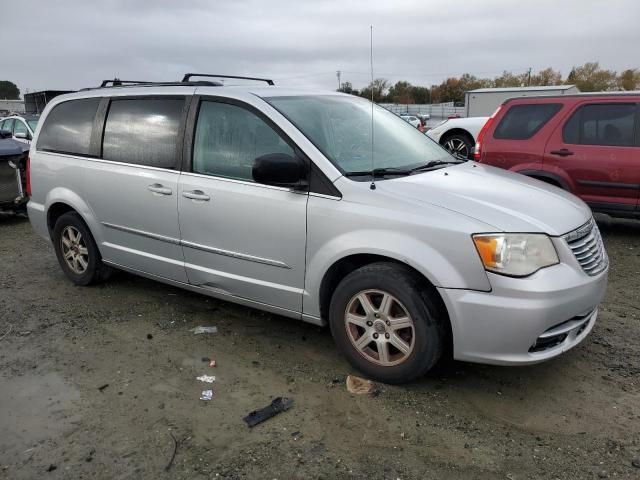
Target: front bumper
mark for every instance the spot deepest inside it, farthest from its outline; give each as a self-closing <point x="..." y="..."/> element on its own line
<point x="524" y="320"/>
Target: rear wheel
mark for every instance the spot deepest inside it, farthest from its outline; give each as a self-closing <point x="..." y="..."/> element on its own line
<point x="77" y="251"/>
<point x="460" y="146"/>
<point x="384" y="319"/>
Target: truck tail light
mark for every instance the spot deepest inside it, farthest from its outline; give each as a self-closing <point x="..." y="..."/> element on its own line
<point x="477" y="152"/>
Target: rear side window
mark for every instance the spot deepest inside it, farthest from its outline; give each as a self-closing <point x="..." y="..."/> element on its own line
<point x="524" y="121"/>
<point x="143" y="131"/>
<point x="67" y="128"/>
<point x="601" y="124"/>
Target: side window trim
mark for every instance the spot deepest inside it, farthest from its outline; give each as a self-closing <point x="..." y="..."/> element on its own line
<point x="324" y="185"/>
<point x="100" y="123"/>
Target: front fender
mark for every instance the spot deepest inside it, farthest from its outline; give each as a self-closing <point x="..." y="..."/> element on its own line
<point x="462" y="271"/>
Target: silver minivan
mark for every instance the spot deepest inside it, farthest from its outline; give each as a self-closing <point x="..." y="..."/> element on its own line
<point x="322" y="207"/>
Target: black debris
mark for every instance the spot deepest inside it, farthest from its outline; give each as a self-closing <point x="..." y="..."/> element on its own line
<point x="51" y="468"/>
<point x="102" y="387"/>
<point x="149" y="336"/>
<point x="279" y="404"/>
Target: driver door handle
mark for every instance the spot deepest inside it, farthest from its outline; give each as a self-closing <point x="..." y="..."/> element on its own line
<point x="159" y="189"/>
<point x="196" y="195"/>
<point x="563" y="152"/>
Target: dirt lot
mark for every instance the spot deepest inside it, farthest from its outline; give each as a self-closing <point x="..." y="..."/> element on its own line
<point x="575" y="417"/>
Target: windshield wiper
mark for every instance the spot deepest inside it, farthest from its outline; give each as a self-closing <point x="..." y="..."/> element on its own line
<point x="435" y="163"/>
<point x="380" y="172"/>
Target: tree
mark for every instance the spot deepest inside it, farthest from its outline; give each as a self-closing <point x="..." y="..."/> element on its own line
<point x="591" y="78"/>
<point x="546" y="77"/>
<point x="9" y="90"/>
<point x="379" y="87"/>
<point x="629" y="79"/>
<point x="346" y="87"/>
<point x="401" y="92"/>
<point x="508" y="79"/>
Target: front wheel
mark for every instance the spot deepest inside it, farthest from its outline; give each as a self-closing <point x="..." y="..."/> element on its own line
<point x="385" y="320"/>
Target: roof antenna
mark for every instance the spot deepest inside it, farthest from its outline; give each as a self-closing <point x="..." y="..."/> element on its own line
<point x="373" y="175"/>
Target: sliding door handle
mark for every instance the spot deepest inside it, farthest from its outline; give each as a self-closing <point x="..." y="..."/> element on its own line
<point x="196" y="195"/>
<point x="159" y="189"/>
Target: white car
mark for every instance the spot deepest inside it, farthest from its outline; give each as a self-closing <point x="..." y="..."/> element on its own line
<point x="458" y="135"/>
<point x="412" y="120"/>
<point x="21" y="127"/>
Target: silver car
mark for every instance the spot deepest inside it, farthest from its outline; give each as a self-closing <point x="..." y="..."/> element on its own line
<point x="320" y="207"/>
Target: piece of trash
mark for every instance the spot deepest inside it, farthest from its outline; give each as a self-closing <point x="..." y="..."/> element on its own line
<point x="206" y="395"/>
<point x="207" y="378"/>
<point x="212" y="363"/>
<point x="296" y="435"/>
<point x="358" y="385"/>
<point x="279" y="404"/>
<point x="149" y="336"/>
<point x="102" y="387"/>
<point x="206" y="359"/>
<point x="51" y="468"/>
<point x="198" y="330"/>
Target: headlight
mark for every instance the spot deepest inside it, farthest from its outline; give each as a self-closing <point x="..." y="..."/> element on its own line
<point x="515" y="254"/>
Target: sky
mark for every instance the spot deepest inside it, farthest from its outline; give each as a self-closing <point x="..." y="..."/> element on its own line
<point x="71" y="44"/>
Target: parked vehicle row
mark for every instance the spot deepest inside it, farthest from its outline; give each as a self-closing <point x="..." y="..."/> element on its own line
<point x="283" y="200"/>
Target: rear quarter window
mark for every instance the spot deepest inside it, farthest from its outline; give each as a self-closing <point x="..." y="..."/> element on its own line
<point x="601" y="124"/>
<point x="67" y="128"/>
<point x="522" y="122"/>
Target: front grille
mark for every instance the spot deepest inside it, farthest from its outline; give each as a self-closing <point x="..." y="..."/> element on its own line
<point x="586" y="244"/>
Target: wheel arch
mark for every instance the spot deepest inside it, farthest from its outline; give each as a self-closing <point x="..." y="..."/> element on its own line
<point x="60" y="201"/>
<point x="347" y="264"/>
<point x="456" y="131"/>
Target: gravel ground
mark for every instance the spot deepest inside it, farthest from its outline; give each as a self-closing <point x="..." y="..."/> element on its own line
<point x="98" y="382"/>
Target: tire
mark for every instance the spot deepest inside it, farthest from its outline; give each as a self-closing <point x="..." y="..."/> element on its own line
<point x="409" y="296"/>
<point x="90" y="269"/>
<point x="459" y="145"/>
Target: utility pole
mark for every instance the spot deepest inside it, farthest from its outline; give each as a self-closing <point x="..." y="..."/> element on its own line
<point x="529" y="78"/>
<point x="338" y="73"/>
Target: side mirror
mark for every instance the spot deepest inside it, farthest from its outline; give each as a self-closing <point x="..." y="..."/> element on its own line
<point x="280" y="170"/>
<point x="21" y="135"/>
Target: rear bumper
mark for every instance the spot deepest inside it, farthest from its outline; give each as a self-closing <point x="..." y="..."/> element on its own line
<point x="38" y="219"/>
<point x="524" y="321"/>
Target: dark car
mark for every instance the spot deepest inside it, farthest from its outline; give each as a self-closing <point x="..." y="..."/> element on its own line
<point x="587" y="144"/>
<point x="13" y="163"/>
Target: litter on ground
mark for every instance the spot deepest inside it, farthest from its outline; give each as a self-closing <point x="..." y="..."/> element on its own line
<point x="206" y="378"/>
<point x="206" y="395"/>
<point x="358" y="385"/>
<point x="199" y="330"/>
<point x="279" y="404"/>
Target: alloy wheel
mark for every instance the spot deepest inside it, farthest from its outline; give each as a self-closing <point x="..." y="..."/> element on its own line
<point x="74" y="250"/>
<point x="457" y="148"/>
<point x="379" y="327"/>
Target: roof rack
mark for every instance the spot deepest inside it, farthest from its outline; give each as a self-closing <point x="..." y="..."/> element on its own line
<point x="189" y="75"/>
<point x="116" y="82"/>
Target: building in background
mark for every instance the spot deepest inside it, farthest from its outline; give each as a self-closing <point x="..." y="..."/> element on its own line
<point x="35" y="102"/>
<point x="11" y="106"/>
<point x="482" y="102"/>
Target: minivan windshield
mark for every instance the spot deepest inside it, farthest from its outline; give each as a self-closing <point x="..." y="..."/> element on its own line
<point x="340" y="127"/>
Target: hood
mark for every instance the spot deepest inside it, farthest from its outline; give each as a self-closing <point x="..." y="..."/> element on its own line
<point x="508" y="201"/>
